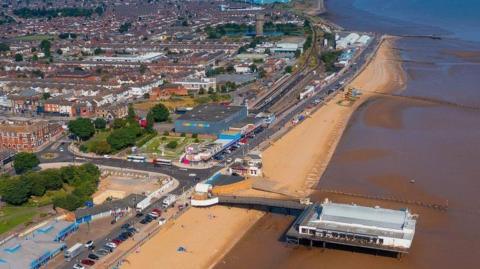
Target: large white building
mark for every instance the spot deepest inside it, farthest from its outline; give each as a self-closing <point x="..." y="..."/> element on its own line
<point x="138" y="58"/>
<point x="369" y="227"/>
<point x="195" y="84"/>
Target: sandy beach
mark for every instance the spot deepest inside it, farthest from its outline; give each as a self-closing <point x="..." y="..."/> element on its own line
<point x="296" y="161"/>
<point x="300" y="157"/>
<point x="207" y="234"/>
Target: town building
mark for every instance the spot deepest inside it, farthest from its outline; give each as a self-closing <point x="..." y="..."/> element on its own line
<point x="164" y="92"/>
<point x="195" y="84"/>
<point x="35" y="249"/>
<point x="26" y="135"/>
<point x="250" y="165"/>
<point x="112" y="111"/>
<point x="289" y="45"/>
<point x="210" y="119"/>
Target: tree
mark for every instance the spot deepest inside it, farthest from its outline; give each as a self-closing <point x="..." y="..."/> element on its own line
<point x="143" y="68"/>
<point x="24" y="162"/>
<point x="160" y="113"/>
<point x="146" y="95"/>
<point x="288" y="69"/>
<point x="34" y="58"/>
<point x="45" y="46"/>
<point x="172" y="144"/>
<point x="98" y="51"/>
<point x="82" y="127"/>
<point x="131" y="113"/>
<point x="46" y="95"/>
<point x="16" y="191"/>
<point x="59" y="51"/>
<point x="150" y="122"/>
<point x="4" y="47"/>
<point x="119" y="123"/>
<point x="121" y="138"/>
<point x="298" y="53"/>
<point x="100" y="123"/>
<point x="18" y="57"/>
<point x="201" y="91"/>
<point x="253" y="68"/>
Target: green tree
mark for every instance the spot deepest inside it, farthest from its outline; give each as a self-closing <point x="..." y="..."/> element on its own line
<point x="45" y="46"/>
<point x="18" y="57"/>
<point x="121" y="138"/>
<point x="34" y="58"/>
<point x="150" y="121"/>
<point x="46" y="95"/>
<point x="16" y="191"/>
<point x="100" y="123"/>
<point x="298" y="53"/>
<point x="143" y="68"/>
<point x="172" y="144"/>
<point x="82" y="128"/>
<point x="288" y="69"/>
<point x="131" y="115"/>
<point x="24" y="162"/>
<point x="160" y="113"/>
<point x="4" y="47"/>
<point x="201" y="91"/>
<point x="98" y="51"/>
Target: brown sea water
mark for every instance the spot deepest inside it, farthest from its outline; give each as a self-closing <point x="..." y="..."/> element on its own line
<point x="432" y="138"/>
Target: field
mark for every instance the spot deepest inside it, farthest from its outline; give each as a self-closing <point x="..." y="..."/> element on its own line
<point x="11" y="216"/>
<point x="156" y="145"/>
<point x="171" y="104"/>
<point x="34" y="37"/>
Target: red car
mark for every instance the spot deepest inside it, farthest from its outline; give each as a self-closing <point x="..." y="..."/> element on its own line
<point x="158" y="211"/>
<point x="87" y="262"/>
<point x="117" y="242"/>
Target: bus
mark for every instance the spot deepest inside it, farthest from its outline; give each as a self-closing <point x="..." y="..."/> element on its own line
<point x="159" y="161"/>
<point x="136" y="159"/>
<point x="73" y="252"/>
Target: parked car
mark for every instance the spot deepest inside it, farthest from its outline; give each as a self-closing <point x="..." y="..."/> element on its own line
<point x="117" y="241"/>
<point x="161" y="221"/>
<point x="102" y="252"/>
<point x="111" y="245"/>
<point x="125" y="226"/>
<point x="107" y="156"/>
<point x="153" y="215"/>
<point x="139" y="214"/>
<point x="78" y="266"/>
<point x="89" y="244"/>
<point x="87" y="262"/>
<point x="157" y="210"/>
<point x="93" y="257"/>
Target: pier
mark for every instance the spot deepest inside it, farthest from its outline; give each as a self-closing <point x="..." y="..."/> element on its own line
<point x="372" y="228"/>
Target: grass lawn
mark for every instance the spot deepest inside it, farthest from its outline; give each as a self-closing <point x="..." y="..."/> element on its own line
<point x="34" y="37"/>
<point x="11" y="216"/>
<point x="100" y="136"/>
<point x="153" y="148"/>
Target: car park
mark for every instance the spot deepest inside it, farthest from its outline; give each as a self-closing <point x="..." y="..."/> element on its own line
<point x="87" y="262"/>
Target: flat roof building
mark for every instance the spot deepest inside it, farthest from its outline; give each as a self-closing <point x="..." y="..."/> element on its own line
<point x="354" y="225"/>
<point x="210" y="119"/>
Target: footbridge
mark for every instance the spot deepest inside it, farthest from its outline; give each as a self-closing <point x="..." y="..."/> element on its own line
<point x="250" y="201"/>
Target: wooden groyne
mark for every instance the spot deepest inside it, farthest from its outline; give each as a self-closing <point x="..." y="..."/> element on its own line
<point x="440" y="207"/>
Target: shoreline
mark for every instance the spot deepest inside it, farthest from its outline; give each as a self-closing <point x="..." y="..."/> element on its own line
<point x="313" y="142"/>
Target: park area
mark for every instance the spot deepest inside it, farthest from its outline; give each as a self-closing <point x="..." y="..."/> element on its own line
<point x="168" y="147"/>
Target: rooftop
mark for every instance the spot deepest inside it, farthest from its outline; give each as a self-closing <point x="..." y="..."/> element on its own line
<point x="210" y="112"/>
